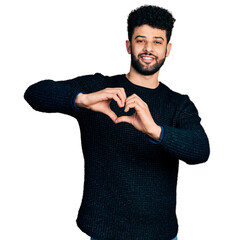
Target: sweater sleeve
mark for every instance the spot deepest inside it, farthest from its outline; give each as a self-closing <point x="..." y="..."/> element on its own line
<point x="58" y="96"/>
<point x="188" y="140"/>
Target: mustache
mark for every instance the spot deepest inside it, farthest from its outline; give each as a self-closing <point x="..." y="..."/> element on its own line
<point x="148" y="54"/>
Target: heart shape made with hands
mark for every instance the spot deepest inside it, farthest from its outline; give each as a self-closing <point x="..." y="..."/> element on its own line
<point x="135" y="111"/>
<point x="138" y="115"/>
<point x="119" y="111"/>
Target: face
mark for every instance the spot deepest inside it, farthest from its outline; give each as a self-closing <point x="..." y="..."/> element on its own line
<point x="148" y="49"/>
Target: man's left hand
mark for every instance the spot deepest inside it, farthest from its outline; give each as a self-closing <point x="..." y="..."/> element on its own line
<point x="142" y="119"/>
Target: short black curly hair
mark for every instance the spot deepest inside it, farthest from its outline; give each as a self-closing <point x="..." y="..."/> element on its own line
<point x="153" y="16"/>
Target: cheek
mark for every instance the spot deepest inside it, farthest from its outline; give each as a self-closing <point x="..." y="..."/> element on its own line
<point x="133" y="51"/>
<point x="161" y="53"/>
<point x="137" y="50"/>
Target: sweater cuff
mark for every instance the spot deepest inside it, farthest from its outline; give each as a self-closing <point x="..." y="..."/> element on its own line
<point x="152" y="140"/>
<point x="74" y="102"/>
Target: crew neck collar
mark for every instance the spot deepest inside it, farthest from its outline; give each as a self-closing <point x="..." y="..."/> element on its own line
<point x="141" y="87"/>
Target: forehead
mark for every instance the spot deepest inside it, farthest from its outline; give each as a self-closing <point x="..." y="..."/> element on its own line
<point x="149" y="32"/>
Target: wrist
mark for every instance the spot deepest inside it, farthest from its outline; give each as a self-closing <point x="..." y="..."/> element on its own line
<point x="79" y="101"/>
<point x="155" y="132"/>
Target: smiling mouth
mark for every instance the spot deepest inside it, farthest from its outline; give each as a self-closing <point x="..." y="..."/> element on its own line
<point x="147" y="58"/>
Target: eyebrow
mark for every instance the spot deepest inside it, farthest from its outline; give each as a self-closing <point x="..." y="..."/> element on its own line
<point x="145" y="37"/>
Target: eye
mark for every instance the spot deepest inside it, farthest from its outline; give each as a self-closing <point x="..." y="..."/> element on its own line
<point x="140" y="41"/>
<point x="157" y="42"/>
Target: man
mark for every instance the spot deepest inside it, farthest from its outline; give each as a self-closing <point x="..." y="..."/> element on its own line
<point x="134" y="130"/>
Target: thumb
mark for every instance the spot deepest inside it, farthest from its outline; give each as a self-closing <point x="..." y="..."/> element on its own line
<point x="112" y="115"/>
<point x="127" y="119"/>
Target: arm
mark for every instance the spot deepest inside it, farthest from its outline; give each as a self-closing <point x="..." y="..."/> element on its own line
<point x="188" y="140"/>
<point x="50" y="96"/>
<point x="71" y="96"/>
<point x="59" y="96"/>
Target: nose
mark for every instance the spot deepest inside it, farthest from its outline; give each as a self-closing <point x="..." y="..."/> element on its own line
<point x="148" y="47"/>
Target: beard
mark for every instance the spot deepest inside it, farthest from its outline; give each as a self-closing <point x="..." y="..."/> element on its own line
<point x="146" y="69"/>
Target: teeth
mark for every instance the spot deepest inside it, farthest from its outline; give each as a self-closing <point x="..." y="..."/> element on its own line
<point x="148" y="58"/>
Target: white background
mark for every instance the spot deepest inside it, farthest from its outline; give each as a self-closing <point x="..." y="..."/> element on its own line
<point x="41" y="168"/>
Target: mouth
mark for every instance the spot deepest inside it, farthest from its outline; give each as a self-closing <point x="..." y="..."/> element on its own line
<point x="147" y="58"/>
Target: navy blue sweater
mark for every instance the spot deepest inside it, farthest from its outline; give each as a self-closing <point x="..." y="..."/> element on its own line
<point x="130" y="182"/>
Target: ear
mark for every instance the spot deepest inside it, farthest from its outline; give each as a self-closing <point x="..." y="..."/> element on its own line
<point x="169" y="45"/>
<point x="128" y="46"/>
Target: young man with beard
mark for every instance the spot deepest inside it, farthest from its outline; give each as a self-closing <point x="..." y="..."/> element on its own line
<point x="134" y="130"/>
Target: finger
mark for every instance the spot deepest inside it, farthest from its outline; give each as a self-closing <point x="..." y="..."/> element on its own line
<point x="133" y="96"/>
<point x="118" y="100"/>
<point x="122" y="95"/>
<point x="127" y="119"/>
<point x="137" y="99"/>
<point x="112" y="115"/>
<point x="110" y="96"/>
<point x="134" y="103"/>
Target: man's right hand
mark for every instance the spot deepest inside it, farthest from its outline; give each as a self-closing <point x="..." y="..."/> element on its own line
<point x="100" y="101"/>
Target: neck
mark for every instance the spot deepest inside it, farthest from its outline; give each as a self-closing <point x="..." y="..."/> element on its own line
<point x="146" y="81"/>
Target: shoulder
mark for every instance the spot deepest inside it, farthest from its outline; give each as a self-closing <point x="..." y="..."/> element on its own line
<point x="174" y="96"/>
<point x="89" y="83"/>
<point x="181" y="102"/>
<point x="93" y="82"/>
<point x="182" y="105"/>
<point x="99" y="77"/>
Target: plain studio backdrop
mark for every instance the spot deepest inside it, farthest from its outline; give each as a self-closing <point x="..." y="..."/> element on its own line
<point x="41" y="169"/>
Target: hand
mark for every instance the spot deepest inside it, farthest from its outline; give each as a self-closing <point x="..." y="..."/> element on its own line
<point x="100" y="101"/>
<point x="142" y="119"/>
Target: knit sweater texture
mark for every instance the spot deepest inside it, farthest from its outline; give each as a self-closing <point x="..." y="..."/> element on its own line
<point x="130" y="182"/>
